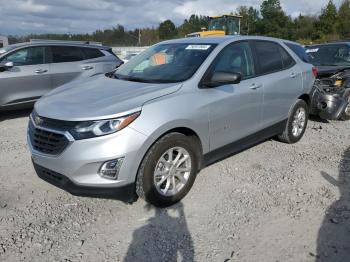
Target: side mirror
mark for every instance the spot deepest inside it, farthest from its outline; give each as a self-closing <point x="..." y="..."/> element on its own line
<point x="6" y="65"/>
<point x="222" y="78"/>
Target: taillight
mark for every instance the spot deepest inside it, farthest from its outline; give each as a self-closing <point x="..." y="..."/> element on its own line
<point x="314" y="71"/>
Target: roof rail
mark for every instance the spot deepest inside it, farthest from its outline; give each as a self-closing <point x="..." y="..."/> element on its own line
<point x="65" y="41"/>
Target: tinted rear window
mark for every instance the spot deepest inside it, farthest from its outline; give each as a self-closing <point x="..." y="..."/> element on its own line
<point x="269" y="57"/>
<point x="299" y="51"/>
<point x="287" y="60"/>
<point x="91" y="53"/>
<point x="329" y="55"/>
<point x="62" y="54"/>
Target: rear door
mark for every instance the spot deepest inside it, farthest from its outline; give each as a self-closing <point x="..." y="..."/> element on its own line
<point x="99" y="60"/>
<point x="282" y="81"/>
<point x="28" y="79"/>
<point x="66" y="64"/>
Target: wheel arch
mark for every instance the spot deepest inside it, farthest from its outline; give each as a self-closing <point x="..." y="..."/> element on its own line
<point x="185" y="130"/>
<point x="306" y="98"/>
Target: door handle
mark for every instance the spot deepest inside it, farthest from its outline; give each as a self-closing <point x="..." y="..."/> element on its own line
<point x="40" y="71"/>
<point x="255" y="86"/>
<point x="87" y="67"/>
<point x="293" y="75"/>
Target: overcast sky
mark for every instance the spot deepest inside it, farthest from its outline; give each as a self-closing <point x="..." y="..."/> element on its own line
<point x="85" y="16"/>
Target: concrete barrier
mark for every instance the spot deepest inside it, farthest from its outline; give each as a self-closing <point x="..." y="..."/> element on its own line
<point x="123" y="51"/>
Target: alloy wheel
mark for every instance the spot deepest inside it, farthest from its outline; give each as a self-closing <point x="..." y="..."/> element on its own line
<point x="172" y="171"/>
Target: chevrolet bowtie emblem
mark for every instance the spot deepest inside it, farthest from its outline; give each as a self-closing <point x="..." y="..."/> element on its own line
<point x="38" y="120"/>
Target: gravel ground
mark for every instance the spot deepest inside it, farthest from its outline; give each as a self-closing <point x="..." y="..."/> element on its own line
<point x="272" y="202"/>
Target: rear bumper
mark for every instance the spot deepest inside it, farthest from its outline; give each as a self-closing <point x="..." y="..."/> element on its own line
<point x="124" y="193"/>
<point x="328" y="104"/>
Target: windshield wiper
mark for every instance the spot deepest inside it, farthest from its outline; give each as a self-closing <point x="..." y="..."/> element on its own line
<point x="136" y="79"/>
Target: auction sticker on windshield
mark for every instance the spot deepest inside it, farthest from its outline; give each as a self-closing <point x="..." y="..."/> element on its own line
<point x="314" y="50"/>
<point x="198" y="47"/>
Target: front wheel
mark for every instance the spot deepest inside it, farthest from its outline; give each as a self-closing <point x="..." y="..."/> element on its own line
<point x="296" y="123"/>
<point x="168" y="170"/>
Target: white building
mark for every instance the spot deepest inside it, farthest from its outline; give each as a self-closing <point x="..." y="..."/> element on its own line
<point x="3" y="41"/>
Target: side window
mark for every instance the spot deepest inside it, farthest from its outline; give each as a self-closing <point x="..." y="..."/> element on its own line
<point x="299" y="51"/>
<point x="236" y="58"/>
<point x="269" y="57"/>
<point x="91" y="53"/>
<point x="27" y="56"/>
<point x="62" y="54"/>
<point x="287" y="60"/>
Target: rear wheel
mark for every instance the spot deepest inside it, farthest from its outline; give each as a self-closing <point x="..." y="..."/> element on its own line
<point x="346" y="114"/>
<point x="168" y="170"/>
<point x="296" y="123"/>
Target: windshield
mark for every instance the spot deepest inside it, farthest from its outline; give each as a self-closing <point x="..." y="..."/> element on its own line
<point x="329" y="55"/>
<point x="217" y="24"/>
<point x="165" y="63"/>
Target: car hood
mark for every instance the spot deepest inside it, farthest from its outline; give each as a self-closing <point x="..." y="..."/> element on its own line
<point x="99" y="97"/>
<point x="327" y="71"/>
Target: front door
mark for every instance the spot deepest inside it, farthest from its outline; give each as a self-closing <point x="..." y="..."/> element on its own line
<point x="235" y="109"/>
<point x="28" y="79"/>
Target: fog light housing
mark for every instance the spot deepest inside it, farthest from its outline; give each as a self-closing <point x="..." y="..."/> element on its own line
<point x="110" y="169"/>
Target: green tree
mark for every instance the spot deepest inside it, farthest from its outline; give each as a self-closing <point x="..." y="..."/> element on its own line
<point x="304" y="28"/>
<point x="149" y="36"/>
<point x="167" y="30"/>
<point x="343" y="26"/>
<point x="194" y="24"/>
<point x="327" y="20"/>
<point x="274" y="21"/>
<point x="250" y="20"/>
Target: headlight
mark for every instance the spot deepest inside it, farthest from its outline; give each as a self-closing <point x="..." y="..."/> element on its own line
<point x="91" y="129"/>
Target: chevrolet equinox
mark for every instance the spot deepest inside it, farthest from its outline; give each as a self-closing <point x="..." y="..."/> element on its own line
<point x="148" y="128"/>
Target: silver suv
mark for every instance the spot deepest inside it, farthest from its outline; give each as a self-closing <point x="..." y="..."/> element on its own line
<point x="150" y="127"/>
<point x="30" y="70"/>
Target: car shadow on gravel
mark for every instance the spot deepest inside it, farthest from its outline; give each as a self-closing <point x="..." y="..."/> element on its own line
<point x="333" y="243"/>
<point x="165" y="237"/>
<point x="8" y="115"/>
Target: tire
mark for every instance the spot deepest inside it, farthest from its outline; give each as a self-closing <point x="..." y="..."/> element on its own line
<point x="154" y="162"/>
<point x="290" y="135"/>
<point x="346" y="114"/>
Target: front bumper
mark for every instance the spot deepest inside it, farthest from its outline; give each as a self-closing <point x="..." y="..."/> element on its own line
<point x="77" y="167"/>
<point x="124" y="193"/>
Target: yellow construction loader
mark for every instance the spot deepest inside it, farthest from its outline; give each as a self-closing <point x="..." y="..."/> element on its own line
<point x="220" y="26"/>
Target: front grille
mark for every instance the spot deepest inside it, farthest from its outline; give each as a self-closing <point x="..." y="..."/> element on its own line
<point x="47" y="142"/>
